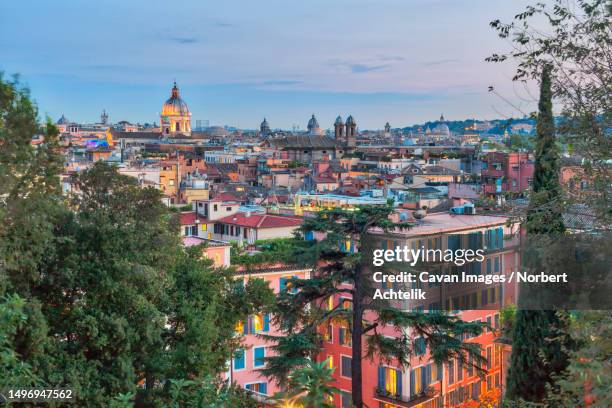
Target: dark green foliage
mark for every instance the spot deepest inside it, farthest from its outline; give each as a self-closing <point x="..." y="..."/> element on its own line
<point x="536" y="355"/>
<point x="291" y="251"/>
<point x="572" y="38"/>
<point x="98" y="292"/>
<point x="544" y="215"/>
<point x="303" y="310"/>
<point x="588" y="376"/>
<point x="537" y="348"/>
<point x="309" y="386"/>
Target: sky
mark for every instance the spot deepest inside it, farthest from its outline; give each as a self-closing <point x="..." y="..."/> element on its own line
<point x="236" y="62"/>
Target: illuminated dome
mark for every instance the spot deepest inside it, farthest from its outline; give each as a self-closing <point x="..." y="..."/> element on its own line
<point x="175" y="115"/>
<point x="175" y="105"/>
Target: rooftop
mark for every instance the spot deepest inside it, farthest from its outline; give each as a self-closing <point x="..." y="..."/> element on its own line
<point x="261" y="220"/>
<point x="440" y="223"/>
<point x="192" y="241"/>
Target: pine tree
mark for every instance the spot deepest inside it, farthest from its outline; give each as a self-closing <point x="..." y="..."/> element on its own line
<point x="536" y="357"/>
<point x="303" y="309"/>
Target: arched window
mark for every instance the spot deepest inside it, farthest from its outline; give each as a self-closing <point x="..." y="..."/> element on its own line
<point x="178" y="126"/>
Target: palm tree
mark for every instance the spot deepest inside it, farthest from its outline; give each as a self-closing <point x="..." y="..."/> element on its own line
<point x="308" y="386"/>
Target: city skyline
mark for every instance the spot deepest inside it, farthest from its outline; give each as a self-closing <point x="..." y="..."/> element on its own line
<point x="394" y="61"/>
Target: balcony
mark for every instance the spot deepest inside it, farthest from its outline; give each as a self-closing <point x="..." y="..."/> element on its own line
<point x="383" y="395"/>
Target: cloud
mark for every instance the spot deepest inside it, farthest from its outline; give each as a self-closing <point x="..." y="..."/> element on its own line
<point x="362" y="68"/>
<point x="184" y="40"/>
<point x="391" y="58"/>
<point x="282" y="82"/>
<point x="358" y="68"/>
<point x="439" y="62"/>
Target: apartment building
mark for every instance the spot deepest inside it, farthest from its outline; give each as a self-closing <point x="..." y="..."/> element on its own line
<point x="425" y="384"/>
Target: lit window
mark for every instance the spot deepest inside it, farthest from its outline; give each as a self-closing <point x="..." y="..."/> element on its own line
<point x="391" y="380"/>
<point x="258" y="322"/>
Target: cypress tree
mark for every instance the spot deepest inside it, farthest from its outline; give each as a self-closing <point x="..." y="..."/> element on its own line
<point x="544" y="215"/>
<point x="536" y="357"/>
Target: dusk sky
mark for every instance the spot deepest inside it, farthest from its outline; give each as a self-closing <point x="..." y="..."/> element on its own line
<point x="402" y="61"/>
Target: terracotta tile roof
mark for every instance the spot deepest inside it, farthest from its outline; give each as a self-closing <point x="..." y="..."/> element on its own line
<point x="225" y="196"/>
<point x="189" y="217"/>
<point x="261" y="220"/>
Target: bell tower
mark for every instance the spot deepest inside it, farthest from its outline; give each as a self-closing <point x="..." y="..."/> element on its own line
<point x="351" y="128"/>
<point x="339" y="128"/>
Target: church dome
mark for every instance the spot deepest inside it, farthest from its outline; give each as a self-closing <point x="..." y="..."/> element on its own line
<point x="264" y="123"/>
<point x="175" y="106"/>
<point x="313" y="123"/>
<point x="350" y="120"/>
<point x="62" y="121"/>
<point x="338" y="121"/>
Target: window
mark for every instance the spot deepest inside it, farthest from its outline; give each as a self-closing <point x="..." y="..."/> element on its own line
<point x="344" y="337"/>
<point x="260" y="388"/>
<point x="470" y="367"/>
<point x="390" y="380"/>
<point x="330" y="362"/>
<point x="489" y="356"/>
<point x="451" y="372"/>
<point x="215" y="207"/>
<point x="259" y="353"/>
<point x="228" y="209"/>
<point x="239" y="359"/>
<point x="328" y="335"/>
<point x="420" y="347"/>
<point x="284" y="283"/>
<point x="260" y="323"/>
<point x="345" y="369"/>
<point x="497" y="360"/>
<point x="416" y="380"/>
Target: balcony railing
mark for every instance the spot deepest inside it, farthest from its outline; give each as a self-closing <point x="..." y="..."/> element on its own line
<point x="406" y="401"/>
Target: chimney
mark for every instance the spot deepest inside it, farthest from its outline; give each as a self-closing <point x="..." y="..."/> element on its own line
<point x="248" y="214"/>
